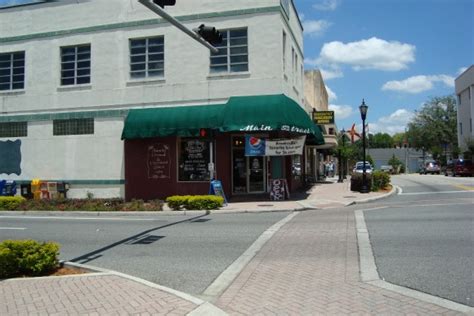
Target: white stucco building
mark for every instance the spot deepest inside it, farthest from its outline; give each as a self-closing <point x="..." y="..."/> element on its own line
<point x="464" y="87"/>
<point x="70" y="71"/>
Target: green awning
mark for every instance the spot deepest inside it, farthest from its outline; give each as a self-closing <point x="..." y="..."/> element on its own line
<point x="268" y="113"/>
<point x="246" y="114"/>
<point x="185" y="121"/>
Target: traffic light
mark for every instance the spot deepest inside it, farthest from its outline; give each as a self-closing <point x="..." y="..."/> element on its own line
<point x="210" y="34"/>
<point x="162" y="3"/>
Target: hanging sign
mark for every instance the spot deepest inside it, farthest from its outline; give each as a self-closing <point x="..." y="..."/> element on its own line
<point x="279" y="190"/>
<point x="285" y="147"/>
<point x="217" y="189"/>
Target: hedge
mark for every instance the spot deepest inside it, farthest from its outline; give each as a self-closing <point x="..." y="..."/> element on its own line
<point x="380" y="180"/>
<point x="93" y="205"/>
<point x="10" y="203"/>
<point x="27" y="258"/>
<point x="195" y="202"/>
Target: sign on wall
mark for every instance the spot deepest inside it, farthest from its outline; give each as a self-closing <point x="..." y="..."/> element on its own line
<point x="254" y="146"/>
<point x="194" y="159"/>
<point x="158" y="162"/>
<point x="10" y="157"/>
<point x="323" y="117"/>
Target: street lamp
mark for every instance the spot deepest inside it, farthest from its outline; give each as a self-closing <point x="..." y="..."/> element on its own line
<point x="339" y="159"/>
<point x="344" y="162"/>
<point x="363" y="114"/>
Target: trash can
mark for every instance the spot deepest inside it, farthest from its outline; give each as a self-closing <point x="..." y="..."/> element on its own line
<point x="62" y="188"/>
<point x="26" y="191"/>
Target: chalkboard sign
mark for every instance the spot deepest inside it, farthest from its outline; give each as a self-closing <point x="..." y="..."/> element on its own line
<point x="217" y="189"/>
<point x="158" y="161"/>
<point x="194" y="160"/>
<point x="279" y="190"/>
<point x="10" y="157"/>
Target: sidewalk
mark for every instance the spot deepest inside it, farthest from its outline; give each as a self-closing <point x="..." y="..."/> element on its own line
<point x="308" y="267"/>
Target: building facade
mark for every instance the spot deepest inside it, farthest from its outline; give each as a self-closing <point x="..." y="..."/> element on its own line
<point x="464" y="87"/>
<point x="70" y="77"/>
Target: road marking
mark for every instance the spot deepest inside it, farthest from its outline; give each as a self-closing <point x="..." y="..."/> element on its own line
<point x="12" y="228"/>
<point x="465" y="187"/>
<point x="439" y="192"/>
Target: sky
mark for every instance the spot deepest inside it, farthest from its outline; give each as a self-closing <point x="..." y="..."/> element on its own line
<point x="395" y="54"/>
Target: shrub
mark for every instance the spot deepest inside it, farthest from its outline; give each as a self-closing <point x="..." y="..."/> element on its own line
<point x="10" y="203"/>
<point x="380" y="180"/>
<point x="195" y="202"/>
<point x="27" y="258"/>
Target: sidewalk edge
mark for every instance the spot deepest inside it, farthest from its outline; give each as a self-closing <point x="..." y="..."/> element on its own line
<point x="369" y="273"/>
<point x="203" y="308"/>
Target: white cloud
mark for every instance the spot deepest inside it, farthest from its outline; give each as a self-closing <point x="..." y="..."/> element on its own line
<point x="373" y="53"/>
<point x="331" y="74"/>
<point x="315" y="28"/>
<point x="331" y="95"/>
<point x="417" y="84"/>
<point x="461" y="70"/>
<point x="392" y="124"/>
<point x="326" y="5"/>
<point x="341" y="111"/>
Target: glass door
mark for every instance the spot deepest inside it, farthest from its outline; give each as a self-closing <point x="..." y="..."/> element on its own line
<point x="256" y="174"/>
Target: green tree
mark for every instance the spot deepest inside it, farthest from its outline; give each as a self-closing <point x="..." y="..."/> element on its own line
<point x="399" y="139"/>
<point x="434" y="127"/>
<point x="380" y="140"/>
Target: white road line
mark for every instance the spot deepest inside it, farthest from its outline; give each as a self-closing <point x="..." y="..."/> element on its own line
<point x="440" y="192"/>
<point x="80" y="218"/>
<point x="12" y="228"/>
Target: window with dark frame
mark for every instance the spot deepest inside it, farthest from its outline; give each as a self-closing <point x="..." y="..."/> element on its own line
<point x="13" y="129"/>
<point x="233" y="52"/>
<point x="73" y="127"/>
<point x="12" y="71"/>
<point x="75" y="65"/>
<point x="147" y="57"/>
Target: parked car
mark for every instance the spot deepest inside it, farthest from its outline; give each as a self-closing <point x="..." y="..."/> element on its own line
<point x="461" y="167"/>
<point x="386" y="168"/>
<point x="431" y="167"/>
<point x="359" y="167"/>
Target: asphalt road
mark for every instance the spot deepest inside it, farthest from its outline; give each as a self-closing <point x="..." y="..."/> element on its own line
<point x="181" y="252"/>
<point x="424" y="238"/>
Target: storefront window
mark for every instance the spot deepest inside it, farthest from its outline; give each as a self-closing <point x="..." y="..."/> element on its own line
<point x="296" y="165"/>
<point x="194" y="158"/>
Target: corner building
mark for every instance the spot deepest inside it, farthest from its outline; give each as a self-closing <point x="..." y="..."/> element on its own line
<point x="112" y="99"/>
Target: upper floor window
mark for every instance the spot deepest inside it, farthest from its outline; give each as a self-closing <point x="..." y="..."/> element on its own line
<point x="14" y="129"/>
<point x="12" y="71"/>
<point x="284" y="51"/>
<point x="75" y="65"/>
<point x="233" y="52"/>
<point x="147" y="57"/>
<point x="73" y="127"/>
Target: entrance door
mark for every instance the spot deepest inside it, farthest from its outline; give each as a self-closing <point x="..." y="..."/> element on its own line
<point x="256" y="172"/>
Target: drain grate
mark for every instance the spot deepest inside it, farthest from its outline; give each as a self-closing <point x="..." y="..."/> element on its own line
<point x="147" y="240"/>
<point x="201" y="220"/>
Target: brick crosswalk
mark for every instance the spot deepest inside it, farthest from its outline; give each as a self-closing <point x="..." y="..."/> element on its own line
<point x="311" y="267"/>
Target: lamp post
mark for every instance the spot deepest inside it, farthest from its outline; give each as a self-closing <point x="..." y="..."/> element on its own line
<point x="363" y="114"/>
<point x="344" y="162"/>
<point x="339" y="159"/>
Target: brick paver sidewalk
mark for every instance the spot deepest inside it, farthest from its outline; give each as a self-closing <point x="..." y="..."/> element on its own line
<point x="87" y="295"/>
<point x="311" y="267"/>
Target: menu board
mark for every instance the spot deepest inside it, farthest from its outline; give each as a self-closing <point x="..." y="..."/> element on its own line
<point x="194" y="160"/>
<point x="158" y="161"/>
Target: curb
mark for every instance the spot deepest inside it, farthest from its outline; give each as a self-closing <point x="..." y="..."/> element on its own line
<point x="370" y="275"/>
<point x="203" y="307"/>
<point x="383" y="196"/>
